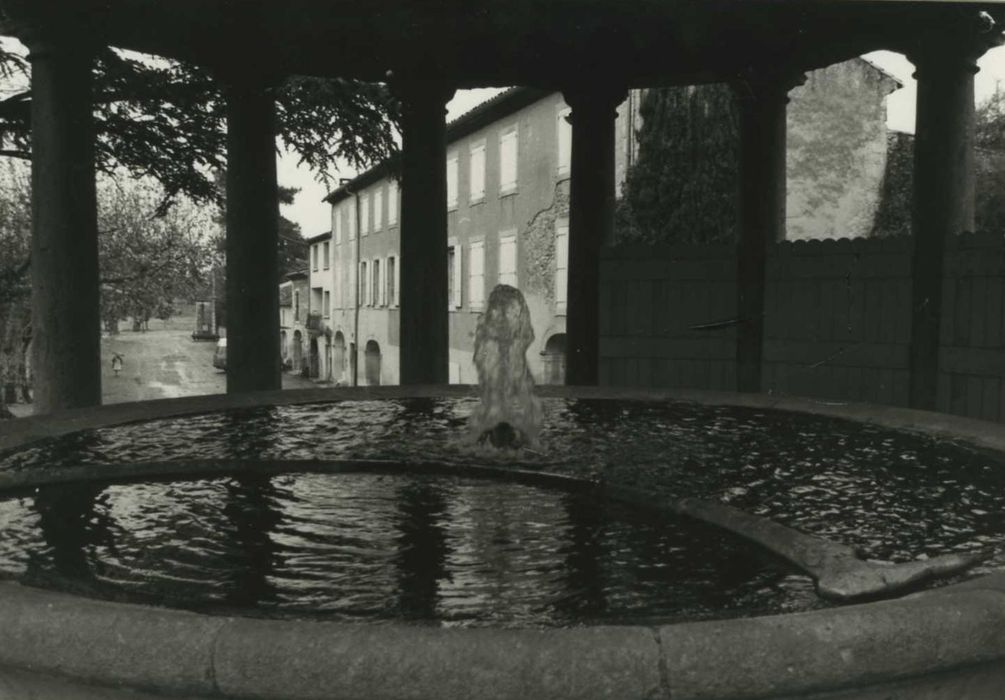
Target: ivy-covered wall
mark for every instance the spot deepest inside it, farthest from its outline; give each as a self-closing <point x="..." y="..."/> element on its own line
<point x="837" y="151"/>
<point x="682" y="187"/>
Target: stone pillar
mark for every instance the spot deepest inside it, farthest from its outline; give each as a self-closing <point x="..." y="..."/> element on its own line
<point x="591" y="223"/>
<point x="762" y="189"/>
<point x="66" y="319"/>
<point x="253" y="360"/>
<point x="425" y="340"/>
<point x="943" y="197"/>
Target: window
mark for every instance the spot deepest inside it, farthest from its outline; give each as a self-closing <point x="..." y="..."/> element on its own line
<point x="362" y="284"/>
<point x="296" y="305"/>
<point x="327" y="304"/>
<point x="476" y="177"/>
<point x="564" y="141"/>
<point x="326" y="255"/>
<point x="375" y="299"/>
<point x="561" y="264"/>
<point x="392" y="202"/>
<point x="378" y="209"/>
<point x="476" y="275"/>
<point x="364" y="215"/>
<point x="337" y="224"/>
<point x="507" y="259"/>
<point x="351" y="216"/>
<point x="314" y="257"/>
<point x="507" y="161"/>
<point x="452" y="181"/>
<point x="392" y="282"/>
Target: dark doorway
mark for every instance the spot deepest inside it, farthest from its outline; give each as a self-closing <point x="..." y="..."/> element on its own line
<point x="372" y="363"/>
<point x="298" y="351"/>
<point x="338" y="358"/>
<point x="553" y="358"/>
<point x="315" y="359"/>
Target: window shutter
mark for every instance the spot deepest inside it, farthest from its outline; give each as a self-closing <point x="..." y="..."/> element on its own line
<point x="457" y="276"/>
<point x="476" y="274"/>
<point x="507" y="161"/>
<point x="383" y="283"/>
<point x="392" y="203"/>
<point x="452" y="181"/>
<point x="397" y="280"/>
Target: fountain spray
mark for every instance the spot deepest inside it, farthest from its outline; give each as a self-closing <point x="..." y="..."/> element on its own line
<point x="509" y="414"/>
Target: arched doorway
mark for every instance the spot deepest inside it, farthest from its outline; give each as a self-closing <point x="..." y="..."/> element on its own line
<point x="553" y="359"/>
<point x="282" y="346"/>
<point x="298" y="351"/>
<point x="372" y="363"/>
<point x="338" y="358"/>
<point x="315" y="359"/>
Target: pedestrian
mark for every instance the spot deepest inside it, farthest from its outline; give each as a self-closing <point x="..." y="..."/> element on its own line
<point x="116" y="363"/>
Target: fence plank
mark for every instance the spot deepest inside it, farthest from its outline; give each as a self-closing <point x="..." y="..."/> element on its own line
<point x="978" y="297"/>
<point x="975" y="396"/>
<point x="993" y="312"/>
<point x="989" y="401"/>
<point x="961" y="312"/>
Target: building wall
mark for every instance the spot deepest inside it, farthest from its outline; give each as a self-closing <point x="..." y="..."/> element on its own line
<point x="320" y="282"/>
<point x="531" y="212"/>
<point x="293" y="323"/>
<point x="837" y="148"/>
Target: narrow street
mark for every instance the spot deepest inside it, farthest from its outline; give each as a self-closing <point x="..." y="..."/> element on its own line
<point x="165" y="362"/>
<point x="161" y="363"/>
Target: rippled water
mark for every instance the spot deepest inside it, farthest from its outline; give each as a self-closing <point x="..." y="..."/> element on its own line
<point x="339" y="544"/>
<point x="453" y="550"/>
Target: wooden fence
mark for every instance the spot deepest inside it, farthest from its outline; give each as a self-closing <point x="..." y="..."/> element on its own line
<point x="837" y="321"/>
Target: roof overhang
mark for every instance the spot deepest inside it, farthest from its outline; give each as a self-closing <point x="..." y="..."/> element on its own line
<point x="472" y="43"/>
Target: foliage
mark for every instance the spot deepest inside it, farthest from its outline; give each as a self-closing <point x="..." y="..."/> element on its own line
<point x="989" y="139"/>
<point x="893" y="217"/>
<point x="682" y="188"/>
<point x="167" y="120"/>
<point x="148" y="260"/>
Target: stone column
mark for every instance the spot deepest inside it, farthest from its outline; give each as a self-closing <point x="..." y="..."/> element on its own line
<point x="66" y="319"/>
<point x="591" y="223"/>
<point x="425" y="341"/>
<point x="252" y="296"/>
<point x="762" y="104"/>
<point x="943" y="197"/>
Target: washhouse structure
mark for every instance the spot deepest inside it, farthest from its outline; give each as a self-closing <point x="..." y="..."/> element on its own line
<point x="612" y="48"/>
<point x="252" y="477"/>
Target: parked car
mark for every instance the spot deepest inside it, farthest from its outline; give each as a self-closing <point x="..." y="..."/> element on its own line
<point x="220" y="354"/>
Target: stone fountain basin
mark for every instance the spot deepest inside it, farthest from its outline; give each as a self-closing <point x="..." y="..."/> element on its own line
<point x="941" y="643"/>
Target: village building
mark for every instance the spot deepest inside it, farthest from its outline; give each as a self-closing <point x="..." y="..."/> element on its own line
<point x="508" y="175"/>
<point x="293" y="304"/>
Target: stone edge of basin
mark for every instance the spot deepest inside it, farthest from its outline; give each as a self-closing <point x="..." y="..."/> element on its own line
<point x="178" y="652"/>
<point x="23" y="431"/>
<point x="954" y="627"/>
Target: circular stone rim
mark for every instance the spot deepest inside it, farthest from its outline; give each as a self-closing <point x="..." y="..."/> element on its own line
<point x="954" y="629"/>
